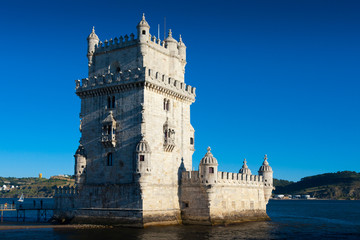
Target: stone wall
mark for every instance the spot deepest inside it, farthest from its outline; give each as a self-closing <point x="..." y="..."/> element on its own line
<point x="233" y="198"/>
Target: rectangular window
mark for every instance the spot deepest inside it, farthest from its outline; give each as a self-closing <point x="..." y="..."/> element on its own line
<point x="142" y="158"/>
<point x="211" y="170"/>
<point x="191" y="141"/>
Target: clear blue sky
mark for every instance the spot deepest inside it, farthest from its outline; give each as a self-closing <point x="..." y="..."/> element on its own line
<point x="273" y="77"/>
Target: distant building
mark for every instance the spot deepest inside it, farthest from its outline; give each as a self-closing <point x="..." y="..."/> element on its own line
<point x="133" y="164"/>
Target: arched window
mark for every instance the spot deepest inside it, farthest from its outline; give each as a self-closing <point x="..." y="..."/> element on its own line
<point x="143" y="32"/>
<point x="211" y="170"/>
<point x="109" y="159"/>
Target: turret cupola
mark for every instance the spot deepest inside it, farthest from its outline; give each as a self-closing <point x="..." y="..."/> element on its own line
<point x="171" y="43"/>
<point x="93" y="40"/>
<point x="265" y="167"/>
<point x="208" y="168"/>
<point x="143" y="30"/>
<point x="182" y="49"/>
<point x="245" y="169"/>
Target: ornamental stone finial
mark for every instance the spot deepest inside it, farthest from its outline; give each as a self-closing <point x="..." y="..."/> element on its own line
<point x="170" y="33"/>
<point x="209" y="149"/>
<point x="93" y="29"/>
<point x="265" y="157"/>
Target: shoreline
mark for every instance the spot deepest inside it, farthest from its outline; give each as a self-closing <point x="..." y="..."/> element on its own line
<point x="17" y="226"/>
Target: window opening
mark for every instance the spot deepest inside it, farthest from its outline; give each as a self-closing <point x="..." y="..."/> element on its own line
<point x="192" y="141"/>
<point x="211" y="170"/>
<point x="142" y="158"/>
<point x="109" y="159"/>
<point x="113" y="102"/>
<point x="108" y="102"/>
<point x="143" y="32"/>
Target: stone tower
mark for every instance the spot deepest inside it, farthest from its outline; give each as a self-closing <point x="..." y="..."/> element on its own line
<point x="135" y="128"/>
<point x="133" y="164"/>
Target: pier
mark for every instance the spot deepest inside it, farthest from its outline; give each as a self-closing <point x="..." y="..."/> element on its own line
<point x="42" y="211"/>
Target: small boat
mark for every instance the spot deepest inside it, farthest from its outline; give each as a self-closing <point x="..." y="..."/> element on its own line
<point x="21" y="199"/>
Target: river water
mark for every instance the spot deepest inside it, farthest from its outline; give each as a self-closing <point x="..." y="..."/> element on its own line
<point x="291" y="219"/>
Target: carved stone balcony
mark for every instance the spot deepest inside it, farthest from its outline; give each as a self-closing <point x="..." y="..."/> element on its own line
<point x="108" y="140"/>
<point x="169" y="145"/>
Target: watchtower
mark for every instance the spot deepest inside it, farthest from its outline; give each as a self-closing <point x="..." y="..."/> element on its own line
<point x="135" y="125"/>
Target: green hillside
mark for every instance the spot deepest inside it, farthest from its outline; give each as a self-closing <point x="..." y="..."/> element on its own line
<point x="32" y="187"/>
<point x="340" y="185"/>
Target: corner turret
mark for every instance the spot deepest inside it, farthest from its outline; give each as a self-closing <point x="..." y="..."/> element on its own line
<point x="143" y="30"/>
<point x="245" y="169"/>
<point x="142" y="159"/>
<point x="267" y="173"/>
<point x="182" y="49"/>
<point x="208" y="168"/>
<point x="80" y="165"/>
<point x="93" y="40"/>
<point x="171" y="43"/>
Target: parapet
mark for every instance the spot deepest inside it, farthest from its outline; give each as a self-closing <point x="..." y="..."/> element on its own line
<point x="158" y="81"/>
<point x="116" y="43"/>
<point x="227" y="178"/>
<point x="66" y="191"/>
<point x="127" y="41"/>
<point x="163" y="80"/>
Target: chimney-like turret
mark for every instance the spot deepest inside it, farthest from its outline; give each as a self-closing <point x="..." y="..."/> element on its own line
<point x="93" y="40"/>
<point x="143" y="29"/>
<point x="182" y="49"/>
<point x="171" y="43"/>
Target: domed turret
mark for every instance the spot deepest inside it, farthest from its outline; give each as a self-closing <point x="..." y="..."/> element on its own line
<point x="93" y="40"/>
<point x="80" y="164"/>
<point x="208" y="168"/>
<point x="267" y="173"/>
<point x="171" y="43"/>
<point x="245" y="169"/>
<point x="182" y="49"/>
<point x="143" y="29"/>
<point x="142" y="157"/>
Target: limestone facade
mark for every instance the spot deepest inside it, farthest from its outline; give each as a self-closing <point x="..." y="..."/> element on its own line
<point x="133" y="165"/>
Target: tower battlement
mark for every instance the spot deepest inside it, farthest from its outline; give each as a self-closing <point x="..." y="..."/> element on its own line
<point x="116" y="43"/>
<point x="126" y="41"/>
<point x="192" y="177"/>
<point x="152" y="79"/>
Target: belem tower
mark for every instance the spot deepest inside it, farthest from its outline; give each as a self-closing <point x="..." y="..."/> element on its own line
<point x="133" y="165"/>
